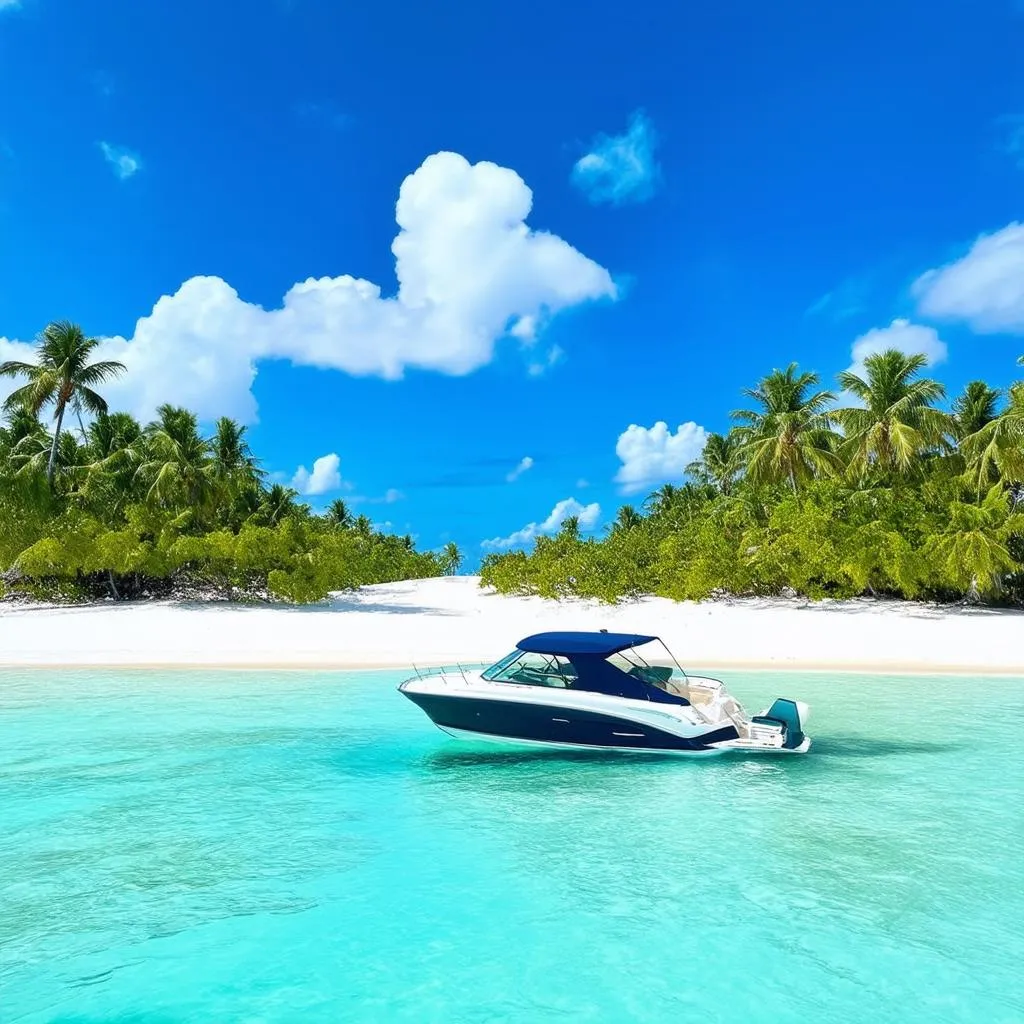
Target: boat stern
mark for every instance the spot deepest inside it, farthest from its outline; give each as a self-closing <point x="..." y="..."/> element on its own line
<point x="777" y="730"/>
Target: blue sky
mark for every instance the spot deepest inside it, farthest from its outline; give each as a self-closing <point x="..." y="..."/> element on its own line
<point x="612" y="219"/>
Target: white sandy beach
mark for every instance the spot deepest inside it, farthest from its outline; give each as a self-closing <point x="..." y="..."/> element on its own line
<point x="437" y="621"/>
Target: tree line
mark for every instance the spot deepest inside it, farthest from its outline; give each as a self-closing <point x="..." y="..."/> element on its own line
<point x="876" y="490"/>
<point x="106" y="506"/>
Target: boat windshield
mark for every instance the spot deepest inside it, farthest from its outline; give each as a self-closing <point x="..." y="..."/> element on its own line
<point x="531" y="669"/>
<point x="652" y="663"/>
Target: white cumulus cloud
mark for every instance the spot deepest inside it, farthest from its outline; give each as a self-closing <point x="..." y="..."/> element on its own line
<point x="525" y="463"/>
<point x="470" y="272"/>
<point x="913" y="339"/>
<point x="654" y="455"/>
<point x="124" y="162"/>
<point x="985" y="288"/>
<point x="620" y="168"/>
<point x="588" y="516"/>
<point x="909" y="338"/>
<point x="325" y="476"/>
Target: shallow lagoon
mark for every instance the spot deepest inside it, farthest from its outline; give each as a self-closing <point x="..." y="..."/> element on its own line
<point x="245" y="846"/>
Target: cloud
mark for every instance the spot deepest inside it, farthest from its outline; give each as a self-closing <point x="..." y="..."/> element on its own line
<point x="985" y="288"/>
<point x="620" y="168"/>
<point x="552" y="357"/>
<point x="587" y="514"/>
<point x="9" y="5"/>
<point x="389" y="497"/>
<point x="582" y="483"/>
<point x="913" y="339"/>
<point x="654" y="455"/>
<point x="325" y="476"/>
<point x="125" y="162"/>
<point x="525" y="329"/>
<point x="525" y="463"/>
<point x="902" y="335"/>
<point x="467" y="265"/>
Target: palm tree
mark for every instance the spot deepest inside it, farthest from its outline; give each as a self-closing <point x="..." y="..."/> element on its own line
<point x="790" y="437"/>
<point x="33" y="455"/>
<point x="999" y="444"/>
<point x="569" y="529"/>
<point x="451" y="558"/>
<point x="897" y="420"/>
<point x="277" y="504"/>
<point x="971" y="546"/>
<point x="112" y="433"/>
<point x="63" y="376"/>
<point x="973" y="408"/>
<point x="719" y="462"/>
<point x="113" y="451"/>
<point x="627" y="519"/>
<point x="338" y="514"/>
<point x="662" y="499"/>
<point x="20" y="424"/>
<point x="232" y="464"/>
<point x="177" y="460"/>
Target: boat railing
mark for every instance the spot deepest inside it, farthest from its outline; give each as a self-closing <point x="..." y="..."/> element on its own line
<point x="715" y="696"/>
<point x="459" y="668"/>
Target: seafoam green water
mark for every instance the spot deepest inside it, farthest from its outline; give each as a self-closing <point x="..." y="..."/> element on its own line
<point x="306" y="847"/>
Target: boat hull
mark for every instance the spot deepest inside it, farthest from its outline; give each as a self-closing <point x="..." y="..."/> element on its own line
<point x="509" y="741"/>
<point x="552" y="726"/>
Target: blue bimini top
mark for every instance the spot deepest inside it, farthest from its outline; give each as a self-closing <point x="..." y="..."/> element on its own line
<point x="587" y="653"/>
<point x="600" y="644"/>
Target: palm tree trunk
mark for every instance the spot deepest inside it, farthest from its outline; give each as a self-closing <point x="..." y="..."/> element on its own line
<point x="51" y="466"/>
<point x="113" y="585"/>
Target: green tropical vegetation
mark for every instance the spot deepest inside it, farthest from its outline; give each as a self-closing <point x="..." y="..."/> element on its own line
<point x="873" y="489"/>
<point x="112" y="507"/>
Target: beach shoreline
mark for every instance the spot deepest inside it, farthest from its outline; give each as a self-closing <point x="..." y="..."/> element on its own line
<point x="445" y="621"/>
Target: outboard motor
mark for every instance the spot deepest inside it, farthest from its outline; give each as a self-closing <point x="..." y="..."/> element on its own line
<point x="792" y="715"/>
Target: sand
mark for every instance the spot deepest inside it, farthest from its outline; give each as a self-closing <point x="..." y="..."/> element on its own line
<point x="444" y="621"/>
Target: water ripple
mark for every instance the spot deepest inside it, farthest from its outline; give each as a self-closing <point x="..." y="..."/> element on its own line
<point x="236" y="846"/>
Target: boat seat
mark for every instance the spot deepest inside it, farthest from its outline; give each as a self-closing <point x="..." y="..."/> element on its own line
<point x="657" y="675"/>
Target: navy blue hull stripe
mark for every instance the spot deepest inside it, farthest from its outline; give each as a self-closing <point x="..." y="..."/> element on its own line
<point x="517" y="720"/>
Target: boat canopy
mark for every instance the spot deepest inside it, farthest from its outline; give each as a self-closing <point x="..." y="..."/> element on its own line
<point x="599" y="644"/>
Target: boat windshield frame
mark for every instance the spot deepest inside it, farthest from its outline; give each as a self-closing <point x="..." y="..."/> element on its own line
<point x="528" y="668"/>
<point x="635" y="660"/>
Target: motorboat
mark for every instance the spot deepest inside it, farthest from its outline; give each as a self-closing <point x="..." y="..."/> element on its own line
<point x="604" y="691"/>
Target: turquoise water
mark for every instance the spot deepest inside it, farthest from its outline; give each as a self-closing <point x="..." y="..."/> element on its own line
<point x="306" y="847"/>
